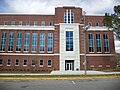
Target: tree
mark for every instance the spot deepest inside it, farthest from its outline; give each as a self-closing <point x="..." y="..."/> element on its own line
<point x="113" y="21"/>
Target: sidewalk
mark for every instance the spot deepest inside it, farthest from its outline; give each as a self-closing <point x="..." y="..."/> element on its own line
<point x="61" y="73"/>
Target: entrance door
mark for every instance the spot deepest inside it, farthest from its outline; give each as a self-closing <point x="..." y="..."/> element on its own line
<point x="69" y="65"/>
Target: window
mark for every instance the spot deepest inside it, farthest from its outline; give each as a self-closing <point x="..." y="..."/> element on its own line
<point x="8" y="62"/>
<point x="69" y="40"/>
<point x="17" y="62"/>
<point x="13" y="23"/>
<point x="33" y="62"/>
<point x="91" y="43"/>
<point x="3" y="41"/>
<point x="104" y="23"/>
<point x="26" y="41"/>
<point x="19" y="42"/>
<point x="41" y="63"/>
<point x="49" y="63"/>
<point x="106" y="43"/>
<point x="90" y="23"/>
<point x="27" y="23"/>
<point x="11" y="41"/>
<point x="25" y="63"/>
<point x="68" y="17"/>
<point x="35" y="23"/>
<point x="5" y="23"/>
<point x="50" y="42"/>
<point x="34" y="41"/>
<point x="1" y="62"/>
<point x="43" y="23"/>
<point x="42" y="42"/>
<point x="20" y="23"/>
<point x="98" y="42"/>
<point x="50" y="23"/>
<point x="97" y="24"/>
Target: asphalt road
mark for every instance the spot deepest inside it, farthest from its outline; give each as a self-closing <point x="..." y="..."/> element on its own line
<point x="88" y="84"/>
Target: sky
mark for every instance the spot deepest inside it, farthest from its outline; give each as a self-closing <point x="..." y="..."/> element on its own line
<point x="48" y="7"/>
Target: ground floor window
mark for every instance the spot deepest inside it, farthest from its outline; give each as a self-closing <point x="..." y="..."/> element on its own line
<point x="49" y="63"/>
<point x="1" y="62"/>
<point x="41" y="63"/>
<point x="25" y="63"/>
<point x="8" y="62"/>
<point x="33" y="62"/>
<point x="17" y="62"/>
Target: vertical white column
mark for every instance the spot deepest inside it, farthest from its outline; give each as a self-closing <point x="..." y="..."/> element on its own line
<point x="70" y="16"/>
<point x="67" y="15"/>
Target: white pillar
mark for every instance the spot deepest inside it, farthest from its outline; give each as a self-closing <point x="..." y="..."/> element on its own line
<point x="70" y="16"/>
<point x="67" y="15"/>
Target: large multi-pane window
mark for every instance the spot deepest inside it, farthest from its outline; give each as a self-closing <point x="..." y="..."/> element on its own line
<point x="42" y="42"/>
<point x="20" y="23"/>
<point x="97" y="24"/>
<point x="68" y="17"/>
<point x="26" y="41"/>
<point x="98" y="42"/>
<point x="91" y="43"/>
<point x="27" y="23"/>
<point x="106" y="43"/>
<point x="43" y="23"/>
<point x="11" y="41"/>
<point x="19" y="42"/>
<point x="69" y="40"/>
<point x="35" y="23"/>
<point x="3" y="41"/>
<point x="50" y="42"/>
<point x="50" y="23"/>
<point x="13" y="23"/>
<point x="34" y="41"/>
<point x="5" y="23"/>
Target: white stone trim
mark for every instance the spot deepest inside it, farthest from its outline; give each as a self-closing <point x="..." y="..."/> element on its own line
<point x="27" y="27"/>
<point x="94" y="28"/>
<point x="97" y="54"/>
<point x="28" y="54"/>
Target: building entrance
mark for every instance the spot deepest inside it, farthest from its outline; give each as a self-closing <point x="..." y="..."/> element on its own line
<point x="69" y="65"/>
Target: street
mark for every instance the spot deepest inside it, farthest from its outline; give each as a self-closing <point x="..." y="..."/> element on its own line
<point x="83" y="84"/>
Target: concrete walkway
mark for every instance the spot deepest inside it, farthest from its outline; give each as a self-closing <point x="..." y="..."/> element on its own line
<point x="60" y="73"/>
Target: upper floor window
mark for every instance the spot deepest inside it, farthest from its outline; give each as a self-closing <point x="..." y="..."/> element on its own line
<point x="106" y="43"/>
<point x="11" y="41"/>
<point x="19" y="42"/>
<point x="42" y="42"/>
<point x="91" y="43"/>
<point x="5" y="23"/>
<point x="26" y="41"/>
<point x="34" y="41"/>
<point x="13" y="23"/>
<point x="69" y="40"/>
<point x="97" y="24"/>
<point x="50" y="23"/>
<point x="43" y="23"/>
<point x="27" y="23"/>
<point x="20" y="23"/>
<point x="90" y="23"/>
<point x="104" y="23"/>
<point x="68" y="17"/>
<point x="35" y="23"/>
<point x="98" y="42"/>
<point x="3" y="41"/>
<point x="50" y="42"/>
<point x="33" y="62"/>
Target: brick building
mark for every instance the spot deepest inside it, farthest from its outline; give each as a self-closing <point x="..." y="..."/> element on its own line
<point x="55" y="42"/>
